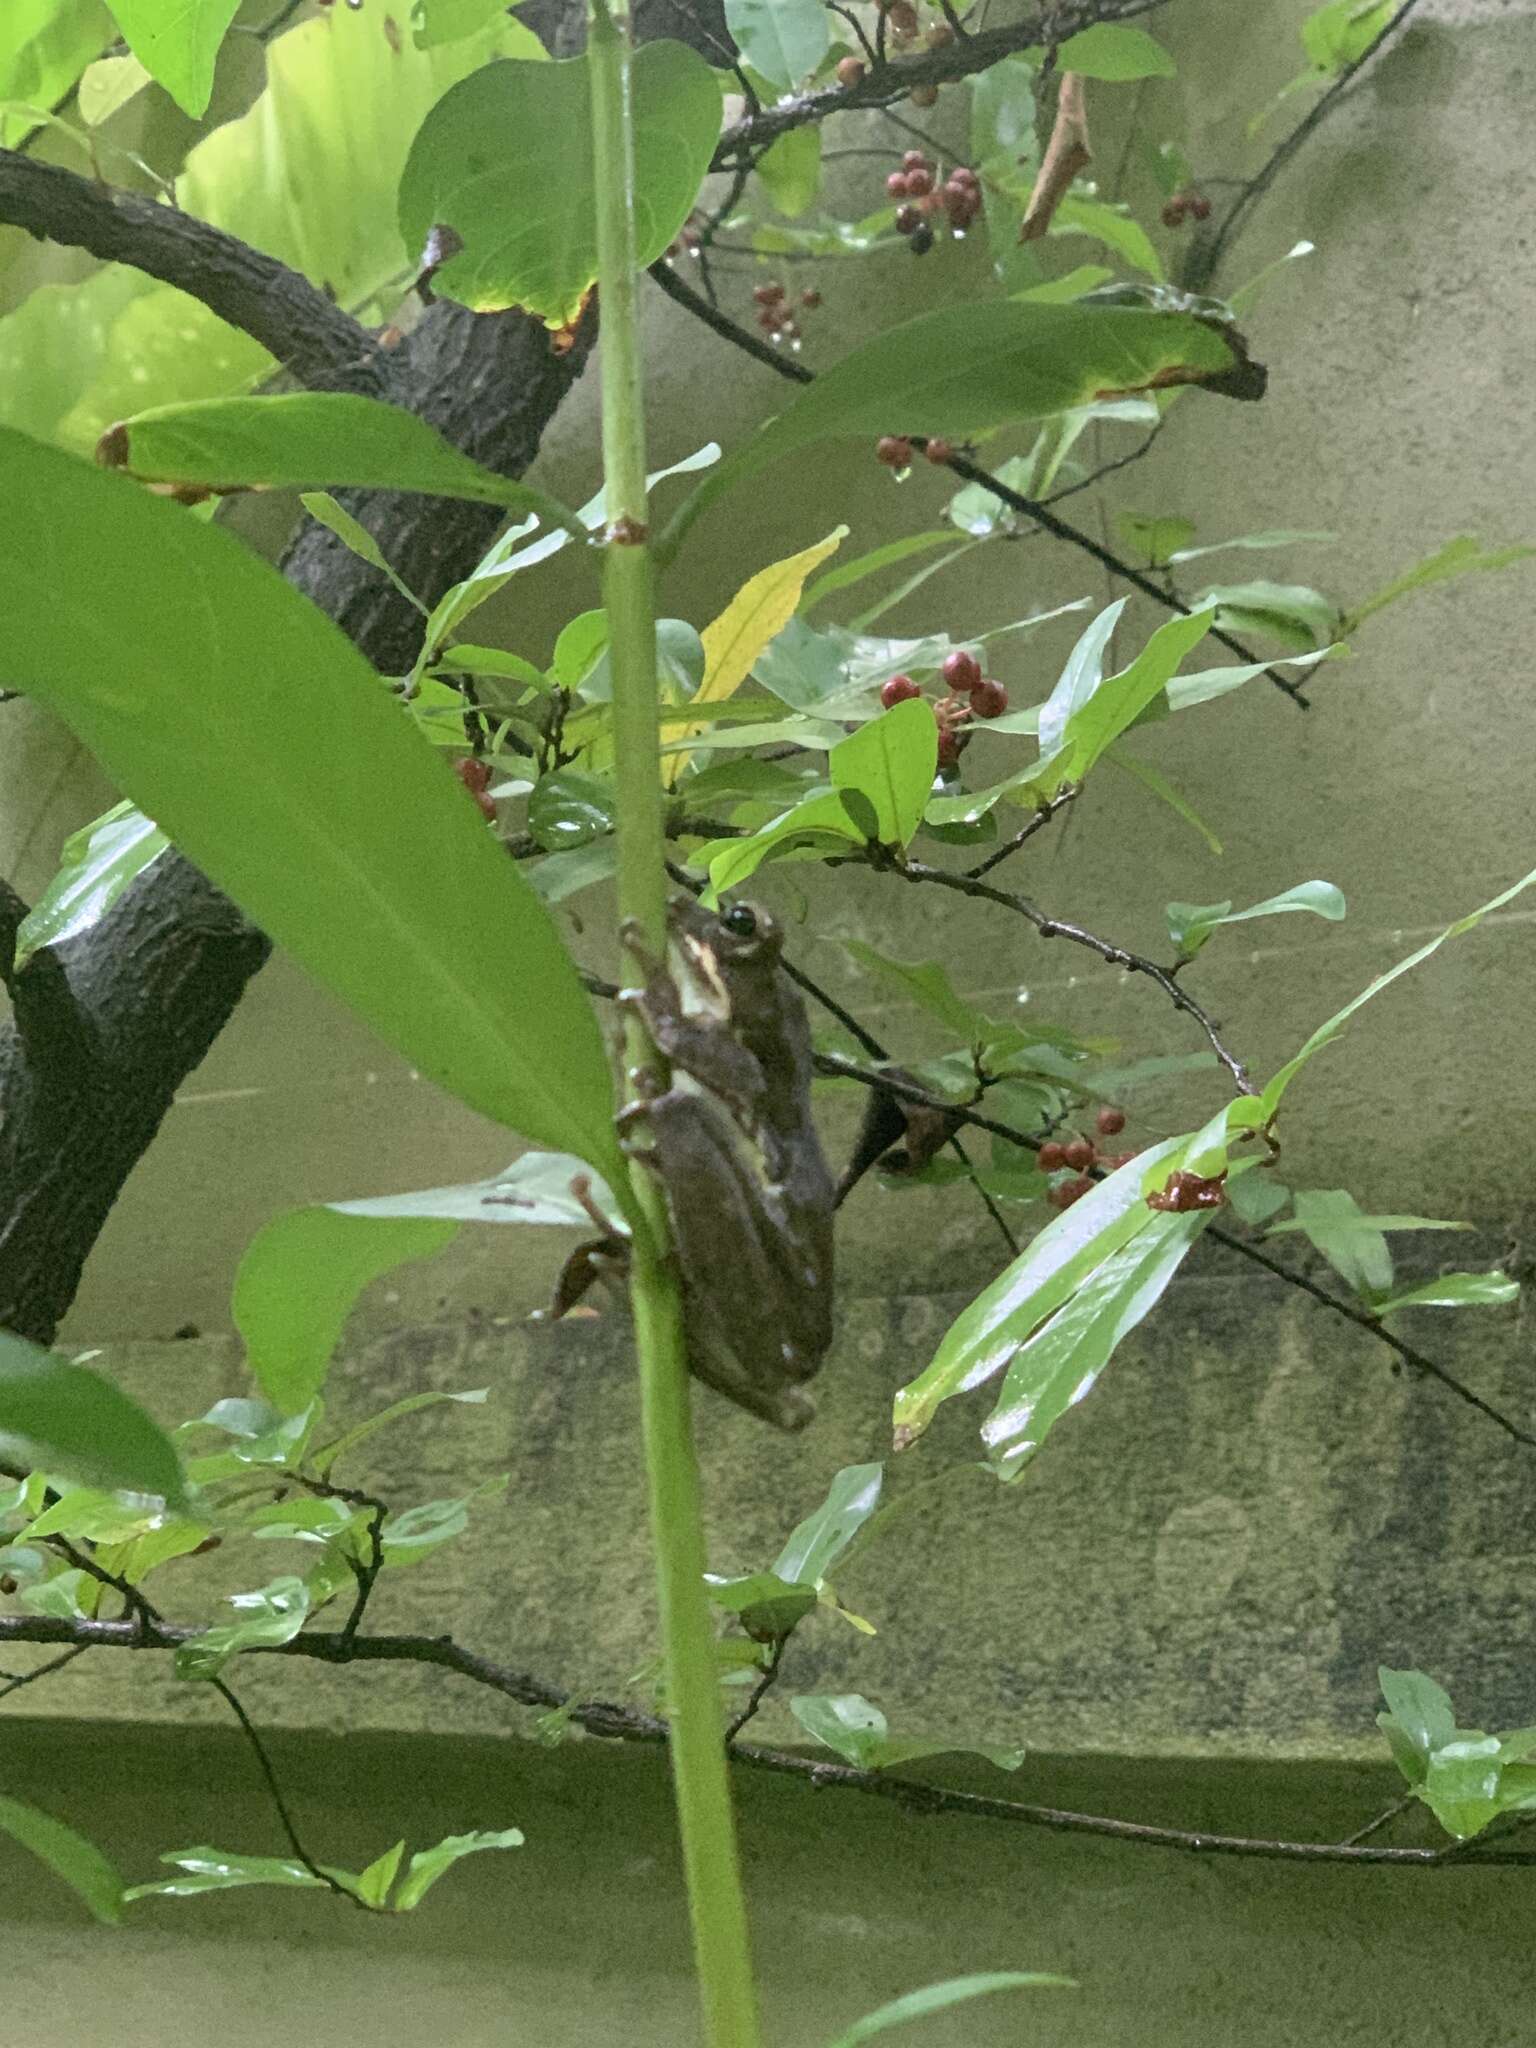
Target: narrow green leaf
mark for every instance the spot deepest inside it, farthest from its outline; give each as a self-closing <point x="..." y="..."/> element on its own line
<point x="825" y="1534"/>
<point x="353" y="534"/>
<point x="1325" y="1033"/>
<point x="1191" y="924"/>
<point x="1116" y="53"/>
<point x="1290" y="612"/>
<point x="1278" y="538"/>
<point x="359" y="854"/>
<point x="299" y="1280"/>
<point x="1084" y="716"/>
<point x="1461" y="557"/>
<point x="96" y="866"/>
<point x="1184" y="692"/>
<point x="917" y="2005"/>
<point x="75" y="1423"/>
<point x="857" y="1731"/>
<point x="219" y="1870"/>
<point x="964" y="369"/>
<point x="820" y="825"/>
<point x="407" y="1538"/>
<point x="373" y="1884"/>
<point x="1457" y="1290"/>
<point x="1335" y="1225"/>
<point x="1055" y="1367"/>
<point x="1159" y="786"/>
<point x="303" y="438"/>
<point x="68" y="1855"/>
<point x="428" y="1865"/>
<point x="177" y="41"/>
<point x="784" y="41"/>
<point x="892" y="761"/>
<point x="927" y="983"/>
<point x="848" y="573"/>
<point x="514" y="128"/>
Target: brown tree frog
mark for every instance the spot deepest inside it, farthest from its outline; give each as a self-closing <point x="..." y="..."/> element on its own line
<point x="732" y="1138"/>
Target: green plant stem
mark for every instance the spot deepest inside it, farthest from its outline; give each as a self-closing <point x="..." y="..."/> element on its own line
<point x="705" y="1821"/>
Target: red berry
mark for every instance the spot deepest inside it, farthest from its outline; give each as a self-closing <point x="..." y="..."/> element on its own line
<point x="938" y="449"/>
<point x="1110" y="1121"/>
<point x="902" y="16"/>
<point x="898" y="690"/>
<point x="961" y="204"/>
<point x="894" y="450"/>
<point x="897" y="185"/>
<point x="989" y="699"/>
<point x="475" y="775"/>
<point x="767" y="294"/>
<point x="964" y="176"/>
<point x="919" y="183"/>
<point x="949" y="749"/>
<point x="1052" y="1157"/>
<point x="1200" y="206"/>
<point x="961" y="670"/>
<point x="768" y="320"/>
<point x="1078" y="1154"/>
<point x="914" y="160"/>
<point x="1074" y="1190"/>
<point x="850" y="71"/>
<point x="924" y="95"/>
<point x="1173" y="213"/>
<point x="907" y="220"/>
<point x="811" y="299"/>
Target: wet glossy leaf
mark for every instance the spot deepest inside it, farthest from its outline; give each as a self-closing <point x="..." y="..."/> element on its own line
<point x="1084" y="716"/>
<point x="891" y="761"/>
<point x="1056" y="1366"/>
<point x="860" y="1734"/>
<point x="409" y="1537"/>
<point x="271" y="1615"/>
<point x="1279" y="538"/>
<point x="783" y="40"/>
<point x="1461" y="1785"/>
<point x="354" y="535"/>
<point x="568" y="809"/>
<point x="1457" y="1290"/>
<point x="1326" y="1033"/>
<point x="1191" y="924"/>
<point x="68" y="1855"/>
<point x="821" y="825"/>
<point x="1206" y="683"/>
<point x="1421" y="1710"/>
<point x="72" y="1421"/>
<point x="766" y="1604"/>
<point x="826" y="1533"/>
<point x="1115" y="52"/>
<point x="1461" y="557"/>
<point x="220" y="1870"/>
<point x="96" y="866"/>
<point x="428" y="1865"/>
<point x="917" y="2005"/>
<point x="360" y="855"/>
<point x="964" y="369"/>
<point x="980" y="512"/>
<point x="515" y="128"/>
<point x="304" y="438"/>
<point x="299" y="1281"/>
<point x="177" y="42"/>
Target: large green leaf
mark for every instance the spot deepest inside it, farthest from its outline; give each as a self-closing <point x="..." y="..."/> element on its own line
<point x="825" y="1534"/>
<point x="304" y="438"/>
<point x="1456" y="1290"/>
<point x="917" y="2005"/>
<point x="74" y="1422"/>
<point x="191" y="670"/>
<point x="68" y="1855"/>
<point x="1191" y="924"/>
<point x="97" y="864"/>
<point x="514" y="129"/>
<point x="46" y="44"/>
<point x="177" y="41"/>
<point x="1115" y="52"/>
<point x="428" y="1865"/>
<point x="271" y="1616"/>
<point x="298" y="1281"/>
<point x="783" y="40"/>
<point x="1084" y="716"/>
<point x="309" y="175"/>
<point x="220" y="1870"/>
<point x="891" y="762"/>
<point x="966" y="369"/>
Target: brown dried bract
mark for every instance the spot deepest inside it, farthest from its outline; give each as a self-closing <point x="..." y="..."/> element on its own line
<point x="1186" y="1191"/>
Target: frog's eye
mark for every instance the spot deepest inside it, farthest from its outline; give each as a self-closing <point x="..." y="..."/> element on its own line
<point x="740" y="921"/>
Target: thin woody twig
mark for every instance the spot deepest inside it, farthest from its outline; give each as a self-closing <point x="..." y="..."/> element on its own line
<point x="1067" y="156"/>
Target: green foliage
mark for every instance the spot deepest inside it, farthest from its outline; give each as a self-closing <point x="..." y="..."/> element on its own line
<point x="515" y="128"/>
<point x="1115" y="52"/>
<point x="71" y="1420"/>
<point x="965" y="370"/>
<point x="1466" y="1778"/>
<point x="96" y="866"/>
<point x="1463" y="557"/>
<point x="859" y="1733"/>
<point x="359" y="855"/>
<point x="177" y="42"/>
<point x="783" y="41"/>
<point x="298" y="1281"/>
<point x="917" y="2005"/>
<point x="1191" y="924"/>
<point x="68" y="1855"/>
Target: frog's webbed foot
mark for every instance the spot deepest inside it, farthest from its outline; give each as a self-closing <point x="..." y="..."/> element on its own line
<point x="602" y="1260"/>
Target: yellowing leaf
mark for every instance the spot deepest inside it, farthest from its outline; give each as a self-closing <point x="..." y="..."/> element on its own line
<point x="759" y="611"/>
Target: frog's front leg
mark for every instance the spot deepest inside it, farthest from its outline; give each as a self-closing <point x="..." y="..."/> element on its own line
<point x="702" y="1044"/>
<point x="741" y="1324"/>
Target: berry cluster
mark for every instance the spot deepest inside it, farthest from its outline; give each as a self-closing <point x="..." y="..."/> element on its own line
<point x="476" y="778"/>
<point x="895" y="451"/>
<point x="920" y="195"/>
<point x="969" y="695"/>
<point x="1185" y="205"/>
<point x="904" y="28"/>
<point x="778" y="316"/>
<point x="1078" y="1156"/>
